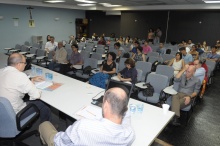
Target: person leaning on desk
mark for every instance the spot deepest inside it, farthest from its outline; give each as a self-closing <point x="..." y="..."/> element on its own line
<point x="111" y="130"/>
<point x="15" y="84"/>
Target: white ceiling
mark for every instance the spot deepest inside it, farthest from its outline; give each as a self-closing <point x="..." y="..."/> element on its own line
<point x="126" y="4"/>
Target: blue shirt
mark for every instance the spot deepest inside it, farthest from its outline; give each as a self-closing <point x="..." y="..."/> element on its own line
<point x="200" y="74"/>
<point x="213" y="56"/>
<point x="188" y="58"/>
<point x="130" y="73"/>
<point x="161" y="51"/>
<point x="134" y="50"/>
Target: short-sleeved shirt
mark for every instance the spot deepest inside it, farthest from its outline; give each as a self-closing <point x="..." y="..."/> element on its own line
<point x="107" y="67"/>
<point x="147" y="49"/>
<point x="129" y="73"/>
<point x="161" y="50"/>
<point x="51" y="46"/>
<point x="213" y="56"/>
<point x="188" y="86"/>
<point x="134" y="50"/>
<point x="188" y="58"/>
<point x="75" y="58"/>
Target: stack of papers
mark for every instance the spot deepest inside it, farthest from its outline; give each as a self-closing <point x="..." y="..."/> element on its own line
<point x="90" y="112"/>
<point x="43" y="85"/>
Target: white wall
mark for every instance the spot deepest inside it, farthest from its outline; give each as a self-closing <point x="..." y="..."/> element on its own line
<point x="44" y="24"/>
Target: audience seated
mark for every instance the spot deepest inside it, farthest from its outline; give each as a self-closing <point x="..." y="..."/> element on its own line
<point x="194" y="53"/>
<point x="15" y="84"/>
<point x="127" y="40"/>
<point x="187" y="57"/>
<point x="72" y="40"/>
<point x="177" y="63"/>
<point x="129" y="73"/>
<point x="51" y="45"/>
<point x="146" y="48"/>
<point x="188" y="88"/>
<point x="161" y="50"/>
<point x="101" y="41"/>
<point x="74" y="59"/>
<point x="113" y="129"/>
<point x="139" y="56"/>
<point x="120" y="50"/>
<point x="213" y="56"/>
<point x="134" y="49"/>
<point x="59" y="57"/>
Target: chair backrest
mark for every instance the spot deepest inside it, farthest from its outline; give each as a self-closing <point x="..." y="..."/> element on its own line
<point x="90" y="62"/>
<point x="121" y="64"/>
<point x="139" y="75"/>
<point x="145" y="67"/>
<point x="50" y="55"/>
<point x="26" y="43"/>
<point x="41" y="52"/>
<point x="100" y="50"/>
<point x="17" y="47"/>
<point x="156" y="54"/>
<point x="96" y="56"/>
<point x="8" y="127"/>
<point x="68" y="46"/>
<point x="101" y="46"/>
<point x="211" y="64"/>
<point x="24" y="48"/>
<point x="166" y="71"/>
<point x="69" y="52"/>
<point x="90" y="44"/>
<point x="173" y="52"/>
<point x="85" y="54"/>
<point x="152" y="59"/>
<point x="167" y="57"/>
<point x="37" y="45"/>
<point x="82" y="44"/>
<point x="89" y="48"/>
<point x="33" y="50"/>
<point x="80" y="47"/>
<point x="159" y="82"/>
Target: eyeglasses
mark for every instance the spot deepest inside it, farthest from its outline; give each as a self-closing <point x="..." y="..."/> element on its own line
<point x="24" y="62"/>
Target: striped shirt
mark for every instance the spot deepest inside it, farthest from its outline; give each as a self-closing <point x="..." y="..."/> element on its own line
<point x="101" y="132"/>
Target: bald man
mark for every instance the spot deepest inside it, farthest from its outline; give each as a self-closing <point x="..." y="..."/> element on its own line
<point x="189" y="87"/>
<point x="15" y="84"/>
<point x="111" y="130"/>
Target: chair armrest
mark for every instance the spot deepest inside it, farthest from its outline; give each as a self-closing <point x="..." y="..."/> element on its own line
<point x="36" y="113"/>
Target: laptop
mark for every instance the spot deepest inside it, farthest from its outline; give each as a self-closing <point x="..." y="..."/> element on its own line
<point x="113" y="83"/>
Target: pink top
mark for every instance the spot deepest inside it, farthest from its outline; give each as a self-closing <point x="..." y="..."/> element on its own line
<point x="147" y="49"/>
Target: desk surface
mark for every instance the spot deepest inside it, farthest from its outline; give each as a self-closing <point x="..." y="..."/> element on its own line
<point x="74" y="94"/>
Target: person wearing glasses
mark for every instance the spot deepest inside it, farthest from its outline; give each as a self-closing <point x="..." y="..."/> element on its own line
<point x="15" y="84"/>
<point x="189" y="87"/>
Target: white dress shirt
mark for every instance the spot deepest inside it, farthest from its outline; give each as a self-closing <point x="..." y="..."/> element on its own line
<point x="51" y="46"/>
<point x="101" y="132"/>
<point x="14" y="84"/>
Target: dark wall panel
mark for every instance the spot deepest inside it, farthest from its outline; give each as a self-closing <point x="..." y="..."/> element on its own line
<point x="100" y="23"/>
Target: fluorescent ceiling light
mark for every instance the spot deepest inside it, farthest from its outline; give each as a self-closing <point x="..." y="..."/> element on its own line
<point x="212" y="2"/>
<point x="55" y="1"/>
<point x="86" y="5"/>
<point x="86" y="1"/>
<point x="109" y="5"/>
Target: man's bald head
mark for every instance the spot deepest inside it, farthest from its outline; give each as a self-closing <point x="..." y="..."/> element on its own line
<point x="118" y="100"/>
<point x="14" y="59"/>
<point x="190" y="71"/>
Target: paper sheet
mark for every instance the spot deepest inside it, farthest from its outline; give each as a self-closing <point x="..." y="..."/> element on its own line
<point x="90" y="112"/>
<point x="43" y="85"/>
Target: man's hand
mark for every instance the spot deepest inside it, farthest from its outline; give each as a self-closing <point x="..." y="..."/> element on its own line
<point x="186" y="67"/>
<point x="37" y="79"/>
<point x="104" y="72"/>
<point x="187" y="100"/>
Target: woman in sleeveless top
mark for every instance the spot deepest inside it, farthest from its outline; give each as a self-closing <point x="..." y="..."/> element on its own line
<point x="139" y="56"/>
<point x="177" y="63"/>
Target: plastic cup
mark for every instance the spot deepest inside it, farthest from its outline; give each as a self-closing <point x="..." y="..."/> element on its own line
<point x="140" y="108"/>
<point x="132" y="108"/>
<point x="165" y="108"/>
<point x="49" y="76"/>
<point x="33" y="71"/>
<point x="39" y="71"/>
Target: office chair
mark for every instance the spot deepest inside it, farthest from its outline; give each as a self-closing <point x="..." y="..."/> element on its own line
<point x="12" y="128"/>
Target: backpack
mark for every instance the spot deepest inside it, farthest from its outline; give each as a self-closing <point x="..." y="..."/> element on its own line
<point x="126" y="55"/>
<point x="87" y="70"/>
<point x="149" y="91"/>
<point x="154" y="66"/>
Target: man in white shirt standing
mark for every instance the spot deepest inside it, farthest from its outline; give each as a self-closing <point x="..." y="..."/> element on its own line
<point x="111" y="130"/>
<point x="15" y="84"/>
<point x="51" y="45"/>
<point x="59" y="57"/>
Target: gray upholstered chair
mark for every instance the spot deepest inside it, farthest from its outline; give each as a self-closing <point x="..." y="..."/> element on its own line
<point x="145" y="67"/>
<point x="167" y="71"/>
<point x="11" y="125"/>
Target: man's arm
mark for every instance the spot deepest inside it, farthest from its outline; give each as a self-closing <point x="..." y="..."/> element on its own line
<point x="182" y="71"/>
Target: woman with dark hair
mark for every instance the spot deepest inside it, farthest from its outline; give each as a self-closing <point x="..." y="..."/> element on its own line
<point x="177" y="63"/>
<point x="109" y="66"/>
<point x="139" y="56"/>
<point x="129" y="73"/>
<point x="106" y="70"/>
<point x="48" y="38"/>
<point x="101" y="41"/>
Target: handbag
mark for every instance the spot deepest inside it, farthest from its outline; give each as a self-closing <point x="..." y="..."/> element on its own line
<point x="87" y="70"/>
<point x="149" y="91"/>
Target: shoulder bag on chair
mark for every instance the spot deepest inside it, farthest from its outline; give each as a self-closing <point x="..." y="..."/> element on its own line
<point x="149" y="91"/>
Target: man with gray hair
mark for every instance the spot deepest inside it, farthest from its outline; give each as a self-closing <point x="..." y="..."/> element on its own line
<point x="59" y="57"/>
<point x="111" y="130"/>
<point x="189" y="87"/>
<point x="15" y="84"/>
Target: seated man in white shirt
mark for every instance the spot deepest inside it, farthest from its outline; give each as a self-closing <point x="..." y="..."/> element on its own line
<point x="200" y="71"/>
<point x="15" y="84"/>
<point x="51" y="45"/>
<point x="111" y="130"/>
<point x="59" y="57"/>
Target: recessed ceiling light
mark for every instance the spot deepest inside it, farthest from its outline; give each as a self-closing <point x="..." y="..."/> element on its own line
<point x="55" y="1"/>
<point x="86" y="5"/>
<point x="212" y="2"/>
<point x="86" y="1"/>
<point x="109" y="5"/>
